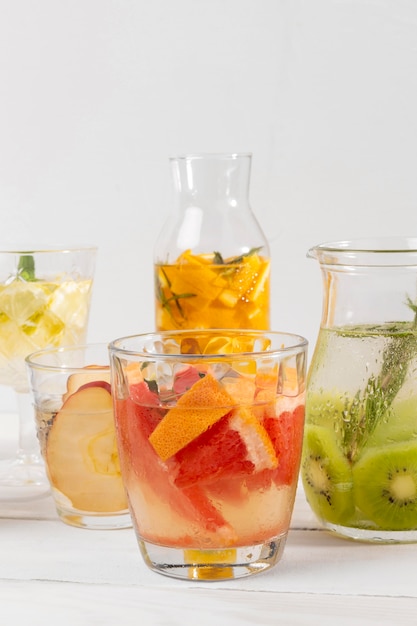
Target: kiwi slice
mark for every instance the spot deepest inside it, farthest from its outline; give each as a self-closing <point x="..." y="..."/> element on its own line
<point x="327" y="477"/>
<point x="385" y="482"/>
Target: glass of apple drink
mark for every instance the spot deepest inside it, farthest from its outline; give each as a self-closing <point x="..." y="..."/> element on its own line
<point x="75" y="425"/>
<point x="209" y="427"/>
<point x="44" y="302"/>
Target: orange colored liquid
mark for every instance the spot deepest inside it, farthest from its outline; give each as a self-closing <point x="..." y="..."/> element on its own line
<point x="205" y="291"/>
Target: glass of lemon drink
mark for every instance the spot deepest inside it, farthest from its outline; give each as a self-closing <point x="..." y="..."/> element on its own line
<point x="44" y="302"/>
<point x="209" y="425"/>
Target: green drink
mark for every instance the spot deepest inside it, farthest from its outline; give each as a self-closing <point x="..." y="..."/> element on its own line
<point x="359" y="466"/>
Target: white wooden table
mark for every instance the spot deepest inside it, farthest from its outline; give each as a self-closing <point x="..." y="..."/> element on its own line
<point x="51" y="573"/>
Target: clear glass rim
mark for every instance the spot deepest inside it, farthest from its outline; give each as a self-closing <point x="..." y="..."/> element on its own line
<point x="298" y="343"/>
<point x="371" y="245"/>
<point x="32" y="358"/>
<point x="367" y="252"/>
<point x="46" y="248"/>
<point x="226" y="156"/>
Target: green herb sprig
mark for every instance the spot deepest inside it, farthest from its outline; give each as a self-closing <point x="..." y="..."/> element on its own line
<point x="368" y="408"/>
<point x="174" y="298"/>
<point x="26" y="267"/>
<point x="218" y="259"/>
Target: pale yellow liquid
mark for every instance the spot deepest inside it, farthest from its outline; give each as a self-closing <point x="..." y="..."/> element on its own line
<point x="36" y="315"/>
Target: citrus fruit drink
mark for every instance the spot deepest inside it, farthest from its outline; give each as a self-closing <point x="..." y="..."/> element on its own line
<point x="44" y="301"/>
<point x="210" y="432"/>
<point x="36" y="314"/>
<point x="75" y="426"/>
<point x="207" y="291"/>
<point x="359" y="466"/>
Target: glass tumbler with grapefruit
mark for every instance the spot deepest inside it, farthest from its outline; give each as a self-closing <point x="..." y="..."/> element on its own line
<point x="209" y="427"/>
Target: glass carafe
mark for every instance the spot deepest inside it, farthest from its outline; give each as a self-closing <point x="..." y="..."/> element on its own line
<point x="212" y="262"/>
<point x="359" y="467"/>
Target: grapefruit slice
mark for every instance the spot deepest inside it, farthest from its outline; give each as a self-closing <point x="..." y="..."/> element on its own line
<point x="237" y="444"/>
<point x="139" y="461"/>
<point x="185" y="379"/>
<point x="151" y="411"/>
<point x="81" y="452"/>
<point x="204" y="404"/>
<point x="286" y="433"/>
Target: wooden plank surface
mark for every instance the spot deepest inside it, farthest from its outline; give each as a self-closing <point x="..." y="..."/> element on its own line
<point x="52" y="573"/>
<point x="46" y="603"/>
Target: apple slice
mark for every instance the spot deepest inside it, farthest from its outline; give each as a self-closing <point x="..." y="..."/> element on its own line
<point x="97" y="383"/>
<point x="81" y="452"/>
<point x="89" y="375"/>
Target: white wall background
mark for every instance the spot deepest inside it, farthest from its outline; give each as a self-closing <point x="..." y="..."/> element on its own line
<point x="95" y="95"/>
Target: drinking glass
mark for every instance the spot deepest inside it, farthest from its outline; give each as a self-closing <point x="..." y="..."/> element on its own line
<point x="209" y="427"/>
<point x="75" y="424"/>
<point x="44" y="302"/>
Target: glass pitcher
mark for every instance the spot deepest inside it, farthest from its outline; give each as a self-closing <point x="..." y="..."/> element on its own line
<point x="359" y="467"/>
<point x="212" y="260"/>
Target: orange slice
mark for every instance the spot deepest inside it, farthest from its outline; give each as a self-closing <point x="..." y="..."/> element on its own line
<point x="219" y="345"/>
<point x="259" y="283"/>
<point x="210" y="564"/>
<point x="187" y="257"/>
<point x="199" y="280"/>
<point x="229" y="298"/>
<point x="199" y="408"/>
<point x="246" y="274"/>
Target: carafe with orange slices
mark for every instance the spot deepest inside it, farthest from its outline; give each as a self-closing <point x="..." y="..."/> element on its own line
<point x="209" y="427"/>
<point x="212" y="260"/>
